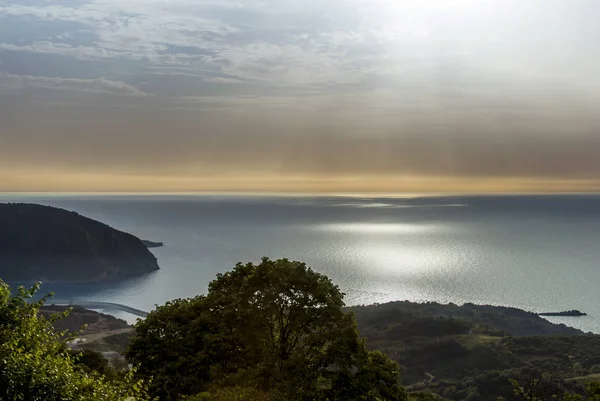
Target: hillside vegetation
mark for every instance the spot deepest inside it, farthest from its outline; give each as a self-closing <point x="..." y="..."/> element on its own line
<point x="471" y="352"/>
<point x="278" y="331"/>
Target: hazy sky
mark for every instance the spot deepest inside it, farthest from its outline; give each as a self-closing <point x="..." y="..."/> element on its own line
<point x="300" y="95"/>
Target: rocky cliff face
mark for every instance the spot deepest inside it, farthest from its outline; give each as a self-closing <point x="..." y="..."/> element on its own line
<point x="50" y="244"/>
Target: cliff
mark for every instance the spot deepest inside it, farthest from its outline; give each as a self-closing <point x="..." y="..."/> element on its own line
<point x="50" y="244"/>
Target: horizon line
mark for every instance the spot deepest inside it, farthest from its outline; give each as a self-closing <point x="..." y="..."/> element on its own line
<point x="288" y="193"/>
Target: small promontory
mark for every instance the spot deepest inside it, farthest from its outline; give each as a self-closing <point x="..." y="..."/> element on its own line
<point x="50" y="244"/>
<point x="152" y="244"/>
<point x="572" y="312"/>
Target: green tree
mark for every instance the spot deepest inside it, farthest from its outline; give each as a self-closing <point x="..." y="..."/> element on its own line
<point x="173" y="347"/>
<point x="593" y="391"/>
<point x="36" y="365"/>
<point x="542" y="387"/>
<point x="92" y="361"/>
<point x="276" y="326"/>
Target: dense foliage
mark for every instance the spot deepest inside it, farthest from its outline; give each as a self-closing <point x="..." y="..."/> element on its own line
<point x="35" y="364"/>
<point x="276" y="327"/>
<point x="278" y="331"/>
<point x="473" y="352"/>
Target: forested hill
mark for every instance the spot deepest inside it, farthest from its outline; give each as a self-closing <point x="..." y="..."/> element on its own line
<point x="471" y="352"/>
<point x="51" y="244"/>
<point x="433" y="319"/>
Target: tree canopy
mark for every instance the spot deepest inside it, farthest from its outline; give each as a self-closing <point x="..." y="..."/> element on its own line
<point x="277" y="327"/>
<point x="35" y="364"/>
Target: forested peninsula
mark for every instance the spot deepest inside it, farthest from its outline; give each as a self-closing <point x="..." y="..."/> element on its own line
<point x="43" y="243"/>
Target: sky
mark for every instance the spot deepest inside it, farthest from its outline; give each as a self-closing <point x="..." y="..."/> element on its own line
<point x="319" y="96"/>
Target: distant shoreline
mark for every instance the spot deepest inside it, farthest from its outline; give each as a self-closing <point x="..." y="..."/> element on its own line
<point x="573" y="312"/>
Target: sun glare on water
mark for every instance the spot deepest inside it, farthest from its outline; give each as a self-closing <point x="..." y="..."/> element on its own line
<point x="377" y="228"/>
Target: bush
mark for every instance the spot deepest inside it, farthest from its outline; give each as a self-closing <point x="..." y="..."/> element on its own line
<point x="36" y="365"/>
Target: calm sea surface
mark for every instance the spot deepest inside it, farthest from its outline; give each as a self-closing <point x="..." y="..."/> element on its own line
<point x="539" y="253"/>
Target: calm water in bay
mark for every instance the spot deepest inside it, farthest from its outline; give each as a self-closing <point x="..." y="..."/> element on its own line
<point x="539" y="253"/>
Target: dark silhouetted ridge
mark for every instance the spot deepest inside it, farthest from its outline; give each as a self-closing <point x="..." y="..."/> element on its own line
<point x="51" y="244"/>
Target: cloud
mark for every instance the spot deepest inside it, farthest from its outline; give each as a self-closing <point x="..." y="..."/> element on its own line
<point x="152" y="56"/>
<point x="288" y="43"/>
<point x="445" y="88"/>
<point x="16" y="83"/>
<point x="279" y="43"/>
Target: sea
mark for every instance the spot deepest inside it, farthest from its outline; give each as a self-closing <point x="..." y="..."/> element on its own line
<point x="538" y="253"/>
